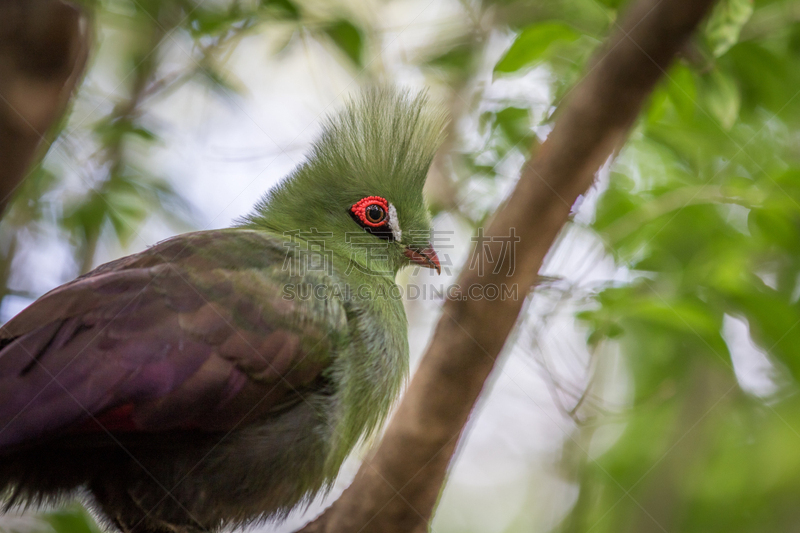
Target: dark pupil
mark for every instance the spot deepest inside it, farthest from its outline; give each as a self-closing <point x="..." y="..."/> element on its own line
<point x="374" y="213"/>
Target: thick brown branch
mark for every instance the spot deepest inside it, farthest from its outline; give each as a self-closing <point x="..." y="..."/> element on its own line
<point x="396" y="489"/>
<point x="43" y="50"/>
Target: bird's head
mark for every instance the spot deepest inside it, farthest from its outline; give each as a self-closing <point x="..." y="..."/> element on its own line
<point x="359" y="192"/>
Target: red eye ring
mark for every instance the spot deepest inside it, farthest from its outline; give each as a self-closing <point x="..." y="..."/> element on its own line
<point x="359" y="209"/>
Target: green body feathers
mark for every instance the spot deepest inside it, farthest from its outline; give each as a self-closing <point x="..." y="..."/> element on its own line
<point x="379" y="145"/>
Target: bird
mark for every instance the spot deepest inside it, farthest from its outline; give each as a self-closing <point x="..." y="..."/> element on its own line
<point x="221" y="377"/>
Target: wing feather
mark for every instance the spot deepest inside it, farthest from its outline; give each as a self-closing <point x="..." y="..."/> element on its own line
<point x="190" y="334"/>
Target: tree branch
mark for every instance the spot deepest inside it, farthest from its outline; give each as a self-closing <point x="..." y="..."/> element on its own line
<point x="44" y="45"/>
<point x="396" y="489"/>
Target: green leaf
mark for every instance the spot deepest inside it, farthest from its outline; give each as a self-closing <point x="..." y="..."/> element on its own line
<point x="725" y="24"/>
<point x="515" y="125"/>
<point x="458" y="58"/>
<point x="767" y="77"/>
<point x="532" y="43"/>
<point x="683" y="316"/>
<point x="211" y="21"/>
<point x="127" y="210"/>
<point x="284" y="8"/>
<point x="144" y="133"/>
<point x="682" y="90"/>
<point x="677" y="92"/>
<point x="86" y="217"/>
<point x="722" y="98"/>
<point x="773" y="323"/>
<point x="348" y="38"/>
<point x="112" y="130"/>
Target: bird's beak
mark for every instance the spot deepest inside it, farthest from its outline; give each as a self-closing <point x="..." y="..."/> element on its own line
<point x="425" y="256"/>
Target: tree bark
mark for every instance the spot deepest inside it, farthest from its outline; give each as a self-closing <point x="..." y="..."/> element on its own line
<point x="396" y="489"/>
<point x="44" y="45"/>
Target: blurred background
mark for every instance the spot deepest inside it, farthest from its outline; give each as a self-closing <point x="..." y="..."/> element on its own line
<point x="652" y="382"/>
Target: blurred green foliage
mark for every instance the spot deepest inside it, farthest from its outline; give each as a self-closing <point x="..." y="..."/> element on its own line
<point x="700" y="211"/>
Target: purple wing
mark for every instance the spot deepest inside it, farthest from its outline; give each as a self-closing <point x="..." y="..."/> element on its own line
<point x="192" y="334"/>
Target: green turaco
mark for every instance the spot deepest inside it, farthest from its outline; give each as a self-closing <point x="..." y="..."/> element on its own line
<point x="221" y="377"/>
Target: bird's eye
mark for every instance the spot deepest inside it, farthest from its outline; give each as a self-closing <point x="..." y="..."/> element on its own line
<point x="371" y="212"/>
<point x="374" y="213"/>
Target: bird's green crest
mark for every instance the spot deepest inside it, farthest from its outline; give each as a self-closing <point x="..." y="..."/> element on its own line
<point x="386" y="135"/>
